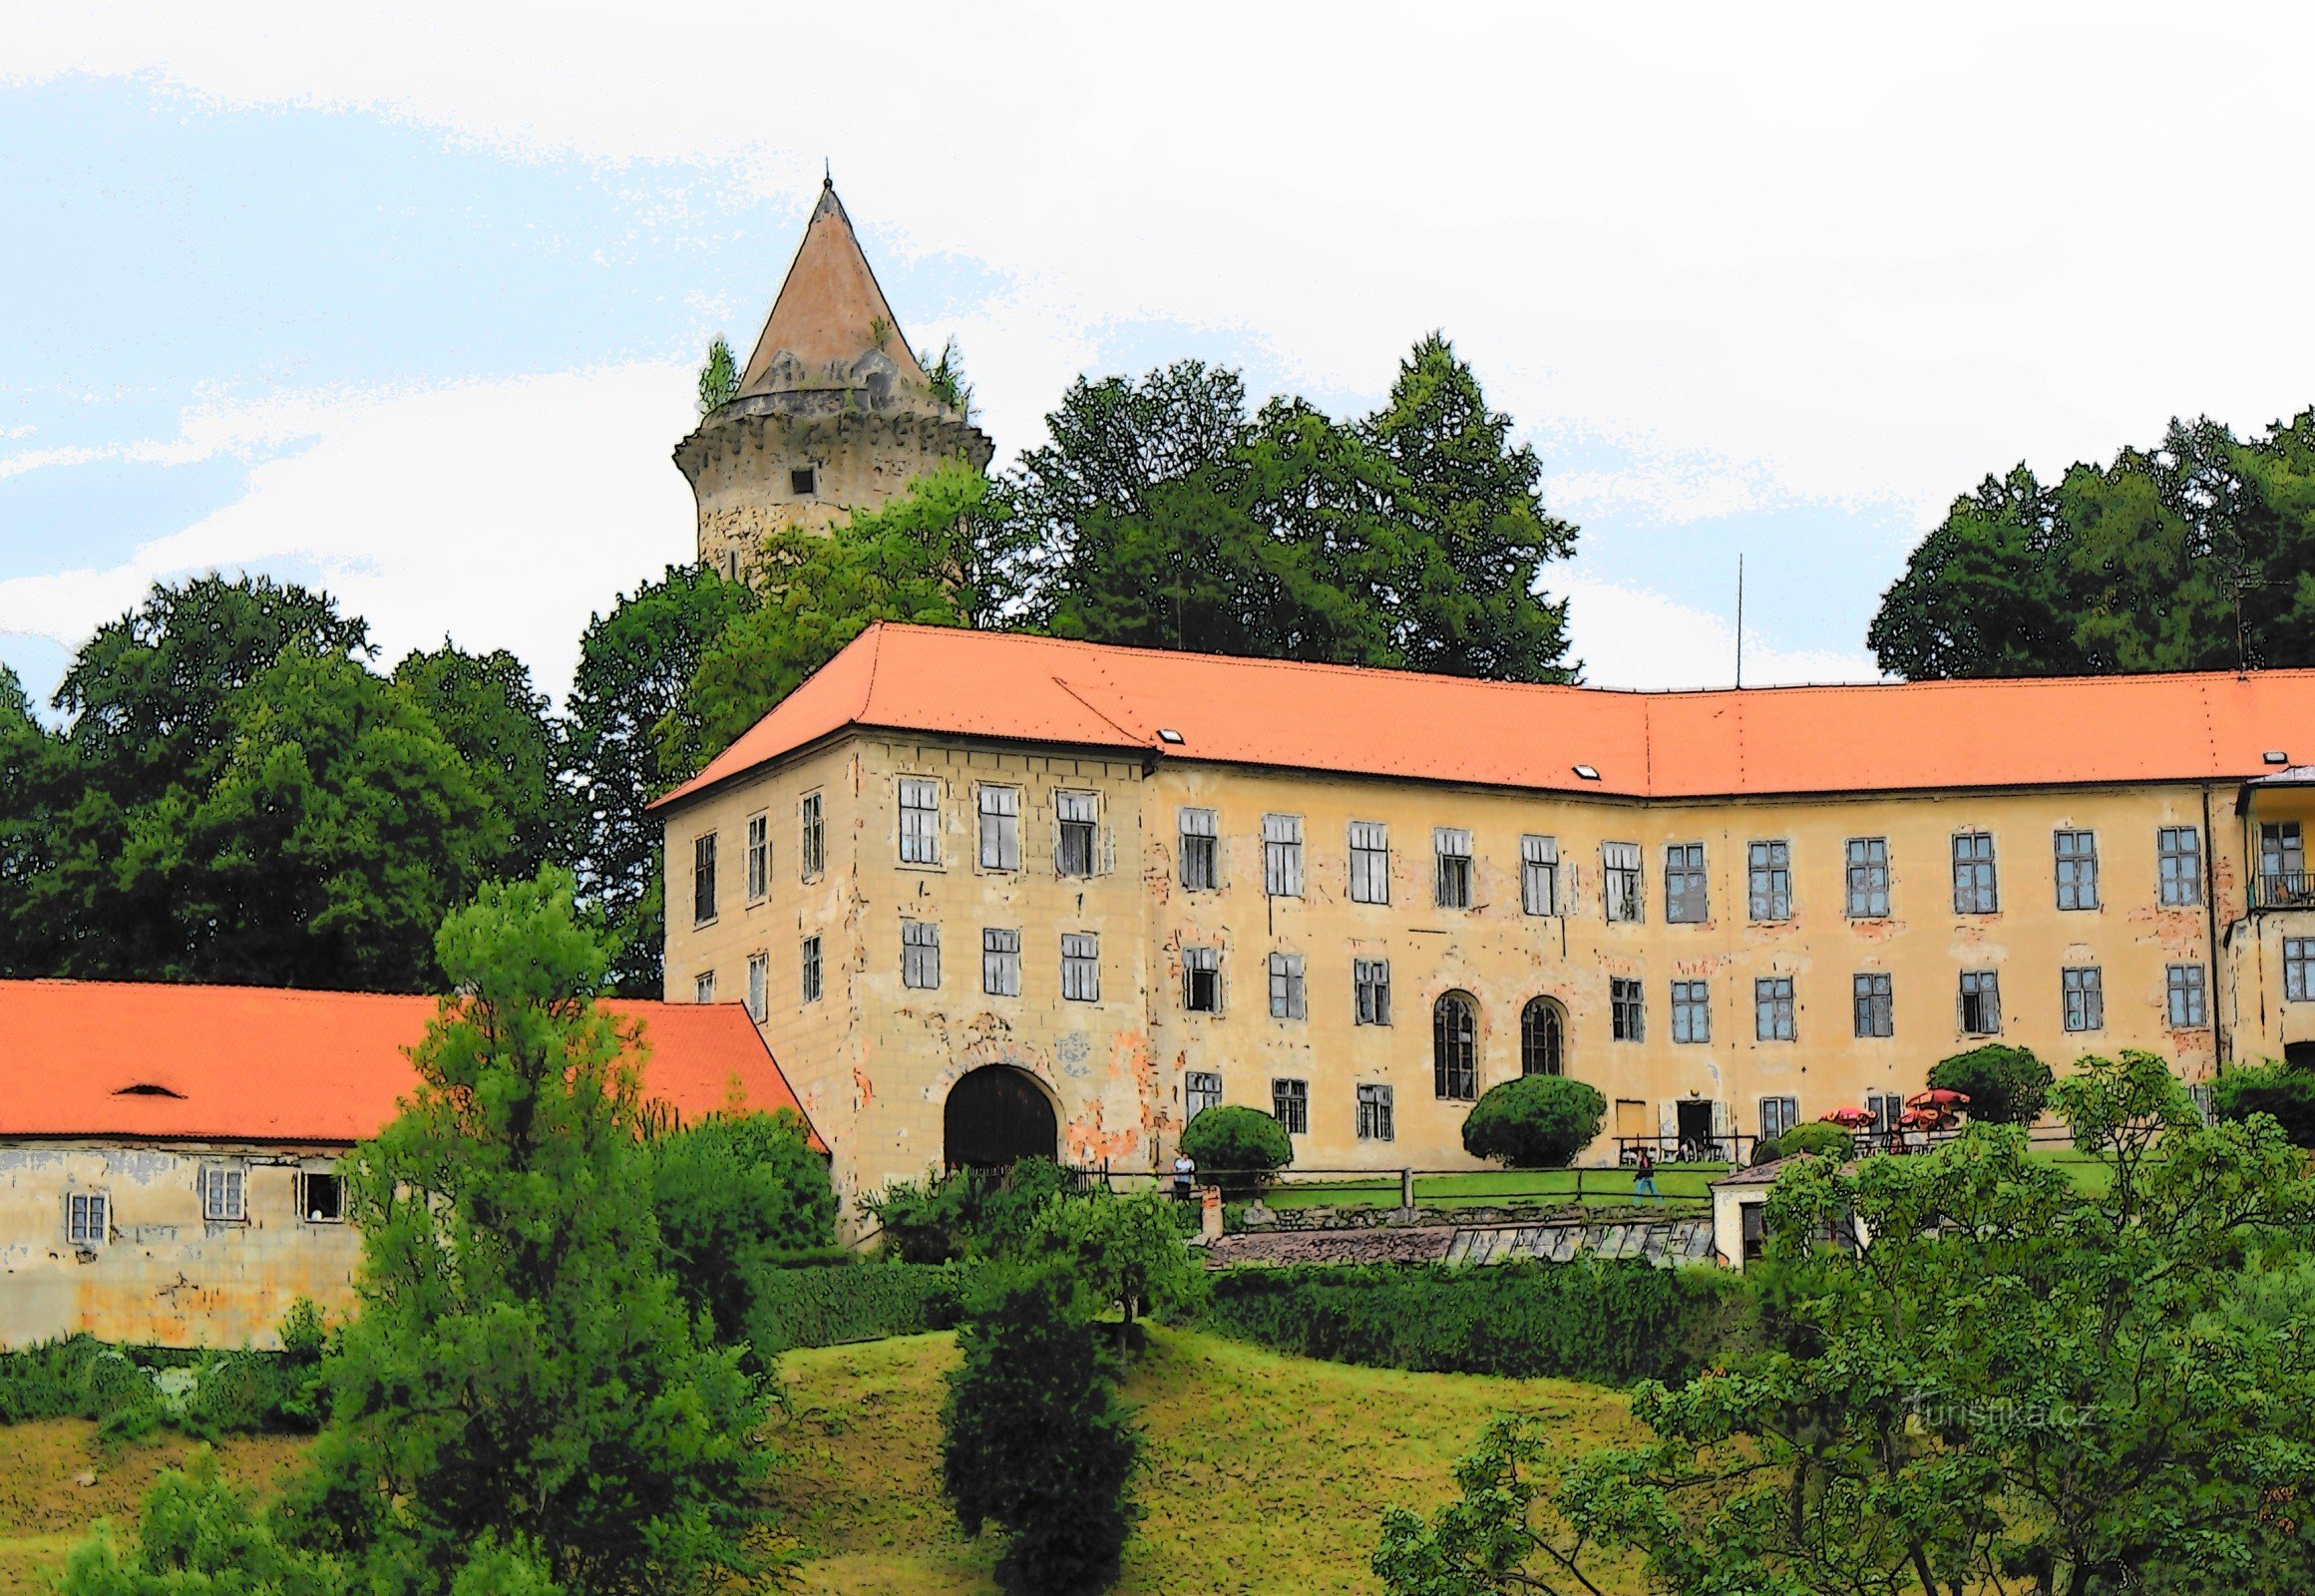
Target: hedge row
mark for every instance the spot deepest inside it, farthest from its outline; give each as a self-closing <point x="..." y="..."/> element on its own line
<point x="1607" y="1322"/>
<point x="131" y="1392"/>
<point x="829" y="1306"/>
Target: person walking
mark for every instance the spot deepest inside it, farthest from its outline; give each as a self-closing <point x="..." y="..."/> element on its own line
<point x="1643" y="1175"/>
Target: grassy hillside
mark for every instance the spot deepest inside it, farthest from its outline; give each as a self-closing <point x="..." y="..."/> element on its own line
<point x="1264" y="1474"/>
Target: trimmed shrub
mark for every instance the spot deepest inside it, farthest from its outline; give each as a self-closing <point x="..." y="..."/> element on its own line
<point x="1611" y="1322"/>
<point x="1821" y="1137"/>
<point x="2286" y="1091"/>
<point x="972" y="1213"/>
<point x="2004" y="1085"/>
<point x="839" y="1303"/>
<point x="1237" y="1148"/>
<point x="1534" y="1122"/>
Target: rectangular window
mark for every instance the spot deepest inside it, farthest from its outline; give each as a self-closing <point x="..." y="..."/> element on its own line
<point x="1875" y="1005"/>
<point x="2085" y="1001"/>
<point x="1201" y="851"/>
<point x="703" y="988"/>
<point x="1539" y="875"/>
<point x="1684" y="884"/>
<point x="86" y="1219"/>
<point x="1201" y="1090"/>
<point x="999" y="811"/>
<point x="1772" y="1008"/>
<point x="1286" y="987"/>
<point x="1375" y="1114"/>
<point x="920" y="955"/>
<point x="2184" y="984"/>
<point x="1981" y="1002"/>
<point x="1000" y="963"/>
<point x="2283" y="865"/>
<point x="321" y="1197"/>
<point x="1620" y="880"/>
<point x="1202" y="981"/>
<point x="2299" y="969"/>
<point x="1081" y="967"/>
<point x="1778" y="1115"/>
<point x="2077" y="855"/>
<point x="1290" y="1105"/>
<point x="1887" y="1108"/>
<point x="1868" y="878"/>
<point x="1369" y="862"/>
<point x="704" y="879"/>
<point x="808" y="971"/>
<point x="811" y="837"/>
<point x="1452" y="849"/>
<point x="1972" y="874"/>
<point x="1371" y="991"/>
<point x="920" y="822"/>
<point x="759" y="857"/>
<point x="2179" y="864"/>
<point x="1282" y="855"/>
<point x="1627" y="1009"/>
<point x="221" y="1195"/>
<point x="1691" y="1011"/>
<point x="1078" y="816"/>
<point x="759" y="980"/>
<point x="1768" y="880"/>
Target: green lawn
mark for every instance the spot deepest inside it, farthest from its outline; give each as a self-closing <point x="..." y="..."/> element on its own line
<point x="1497" y="1188"/>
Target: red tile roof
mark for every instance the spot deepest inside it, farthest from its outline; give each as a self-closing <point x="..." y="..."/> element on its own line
<point x="254" y="1063"/>
<point x="1874" y="737"/>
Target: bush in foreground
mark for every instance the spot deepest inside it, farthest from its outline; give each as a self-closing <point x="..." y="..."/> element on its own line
<point x="1534" y="1122"/>
<point x="735" y="1196"/>
<point x="967" y="1213"/>
<point x="2004" y="1085"/>
<point x="1237" y="1148"/>
<point x="2287" y="1091"/>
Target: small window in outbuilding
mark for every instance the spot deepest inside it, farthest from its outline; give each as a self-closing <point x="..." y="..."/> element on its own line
<point x="221" y="1195"/>
<point x="87" y="1217"/>
<point x="803" y="480"/>
<point x="321" y="1197"/>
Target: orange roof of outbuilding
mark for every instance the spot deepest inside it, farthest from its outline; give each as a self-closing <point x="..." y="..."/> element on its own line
<point x="153" y="1063"/>
<point x="1737" y="743"/>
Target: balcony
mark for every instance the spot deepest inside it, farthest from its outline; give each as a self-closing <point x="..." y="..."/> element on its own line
<point x="2283" y="889"/>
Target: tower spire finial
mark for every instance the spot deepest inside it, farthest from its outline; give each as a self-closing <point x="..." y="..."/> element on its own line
<point x="827" y="173"/>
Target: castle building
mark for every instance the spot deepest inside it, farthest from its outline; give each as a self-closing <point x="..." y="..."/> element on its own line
<point x="834" y="413"/>
<point x="989" y="895"/>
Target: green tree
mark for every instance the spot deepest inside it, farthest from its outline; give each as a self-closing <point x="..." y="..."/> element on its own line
<point x="1534" y="1121"/>
<point x="31" y="762"/>
<point x="2004" y="1085"/>
<point x="1034" y="1437"/>
<point x="1474" y="534"/>
<point x="2146" y="563"/>
<point x="732" y="1196"/>
<point x="635" y="665"/>
<point x="720" y="378"/>
<point x="485" y="707"/>
<point x="945" y="375"/>
<point x="934" y="557"/>
<point x="521" y="1370"/>
<point x="1127" y="1251"/>
<point x="197" y="1536"/>
<point x="1236" y="1147"/>
<point x="2009" y="1384"/>
<point x="2283" y="1092"/>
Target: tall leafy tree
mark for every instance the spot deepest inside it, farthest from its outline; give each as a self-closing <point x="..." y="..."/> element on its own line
<point x="30" y="761"/>
<point x="635" y="665"/>
<point x="2195" y="555"/>
<point x="485" y="707"/>
<point x="521" y="1370"/>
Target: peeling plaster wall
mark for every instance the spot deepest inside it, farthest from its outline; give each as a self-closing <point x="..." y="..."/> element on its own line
<point x="874" y="1069"/>
<point x="165" y="1275"/>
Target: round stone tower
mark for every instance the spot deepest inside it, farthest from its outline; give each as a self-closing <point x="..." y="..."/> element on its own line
<point x="833" y="413"/>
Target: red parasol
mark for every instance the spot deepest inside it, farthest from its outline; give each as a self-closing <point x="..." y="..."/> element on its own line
<point x="1850" y="1117"/>
<point x="1938" y="1098"/>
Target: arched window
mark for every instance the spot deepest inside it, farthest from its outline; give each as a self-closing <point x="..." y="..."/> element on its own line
<point x="1455" y="1047"/>
<point x="1542" y="1035"/>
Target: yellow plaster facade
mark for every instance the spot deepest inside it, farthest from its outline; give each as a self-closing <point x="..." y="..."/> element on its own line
<point x="874" y="1060"/>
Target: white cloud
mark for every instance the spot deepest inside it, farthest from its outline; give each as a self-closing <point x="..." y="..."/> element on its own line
<point x="1630" y="638"/>
<point x="497" y="514"/>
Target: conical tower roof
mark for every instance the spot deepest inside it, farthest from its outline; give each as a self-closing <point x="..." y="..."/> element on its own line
<point x="829" y="311"/>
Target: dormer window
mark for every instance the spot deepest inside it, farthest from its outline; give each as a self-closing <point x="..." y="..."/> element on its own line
<point x="804" y="481"/>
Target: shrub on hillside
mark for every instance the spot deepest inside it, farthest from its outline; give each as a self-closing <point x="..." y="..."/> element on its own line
<point x="2287" y="1091"/>
<point x="735" y="1196"/>
<point x="2004" y="1085"/>
<point x="1534" y="1122"/>
<point x="1610" y="1322"/>
<point x="1127" y="1251"/>
<point x="1034" y="1437"/>
<point x="968" y="1212"/>
<point x="837" y="1303"/>
<point x="1821" y="1137"/>
<point x="1237" y="1148"/>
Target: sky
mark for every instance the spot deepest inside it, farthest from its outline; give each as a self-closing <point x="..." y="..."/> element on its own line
<point x="410" y="304"/>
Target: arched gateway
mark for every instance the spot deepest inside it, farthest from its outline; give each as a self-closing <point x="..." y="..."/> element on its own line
<point x="996" y="1116"/>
